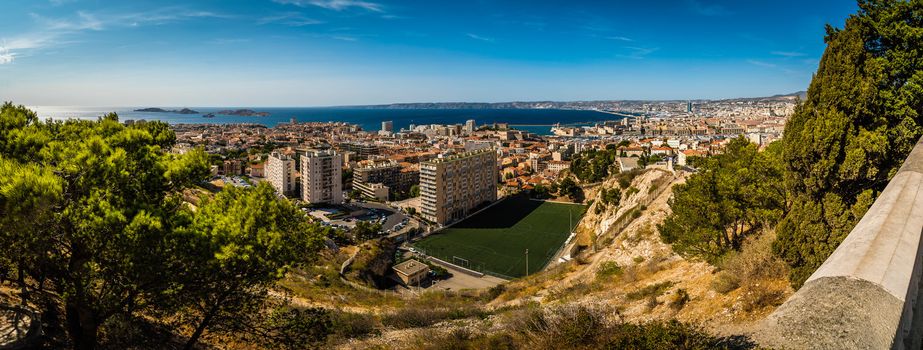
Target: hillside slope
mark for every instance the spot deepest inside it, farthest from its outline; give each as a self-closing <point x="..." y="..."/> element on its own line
<point x="635" y="276"/>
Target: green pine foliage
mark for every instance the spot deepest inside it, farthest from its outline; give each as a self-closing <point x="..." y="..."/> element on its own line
<point x="859" y="122"/>
<point x="593" y="165"/>
<point x="93" y="223"/>
<point x="732" y="195"/>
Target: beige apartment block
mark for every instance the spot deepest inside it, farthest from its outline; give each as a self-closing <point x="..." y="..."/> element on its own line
<point x="453" y="186"/>
<point x="280" y="172"/>
<point x="321" y="177"/>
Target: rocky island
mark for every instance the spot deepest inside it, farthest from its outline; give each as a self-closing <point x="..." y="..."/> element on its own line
<point x="243" y="113"/>
<point x="161" y="110"/>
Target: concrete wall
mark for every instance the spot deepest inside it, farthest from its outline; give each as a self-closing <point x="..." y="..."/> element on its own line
<point x="864" y="296"/>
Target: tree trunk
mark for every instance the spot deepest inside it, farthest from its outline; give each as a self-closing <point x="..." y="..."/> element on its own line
<point x="81" y="325"/>
<point x="190" y="344"/>
<point x="206" y="320"/>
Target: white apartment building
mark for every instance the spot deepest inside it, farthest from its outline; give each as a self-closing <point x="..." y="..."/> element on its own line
<point x="280" y="172"/>
<point x="321" y="177"/>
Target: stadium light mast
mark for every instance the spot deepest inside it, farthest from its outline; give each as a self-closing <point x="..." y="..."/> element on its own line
<point x="527" y="261"/>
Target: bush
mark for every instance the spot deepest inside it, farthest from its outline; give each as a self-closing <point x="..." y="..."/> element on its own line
<point x="679" y="300"/>
<point x="756" y="261"/>
<point x="462" y="339"/>
<point x="654" y="290"/>
<point x="348" y="325"/>
<point x="725" y="282"/>
<point x="608" y="269"/>
<point x="494" y="292"/>
<point x="416" y="316"/>
<point x="758" y="298"/>
<point x="579" y="327"/>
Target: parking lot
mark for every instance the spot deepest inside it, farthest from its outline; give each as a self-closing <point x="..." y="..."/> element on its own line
<point x="346" y="216"/>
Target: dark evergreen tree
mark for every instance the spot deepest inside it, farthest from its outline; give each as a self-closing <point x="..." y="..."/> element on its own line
<point x="859" y="121"/>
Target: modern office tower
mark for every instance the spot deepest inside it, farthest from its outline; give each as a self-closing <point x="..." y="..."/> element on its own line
<point x="387" y="126"/>
<point x="321" y="177"/>
<point x="470" y="125"/>
<point x="453" y="186"/>
<point x="689" y="107"/>
<point x="280" y="171"/>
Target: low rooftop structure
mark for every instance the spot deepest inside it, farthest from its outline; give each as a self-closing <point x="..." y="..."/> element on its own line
<point x="411" y="272"/>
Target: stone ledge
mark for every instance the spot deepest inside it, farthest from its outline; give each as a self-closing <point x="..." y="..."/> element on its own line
<point x="834" y="313"/>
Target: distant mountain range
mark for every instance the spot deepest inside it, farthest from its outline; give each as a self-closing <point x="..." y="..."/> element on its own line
<point x="559" y="104"/>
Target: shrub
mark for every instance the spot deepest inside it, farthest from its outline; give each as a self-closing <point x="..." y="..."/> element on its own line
<point x="725" y="282"/>
<point x="579" y="327"/>
<point x="679" y="300"/>
<point x="608" y="269"/>
<point x="631" y="191"/>
<point x="756" y="261"/>
<point x="462" y="339"/>
<point x="417" y="316"/>
<point x="757" y="298"/>
<point x="654" y="290"/>
<point x="494" y="292"/>
<point x="638" y="259"/>
<point x="635" y="213"/>
<point x="347" y="325"/>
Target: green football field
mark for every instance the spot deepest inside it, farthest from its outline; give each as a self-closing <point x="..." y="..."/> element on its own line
<point x="495" y="240"/>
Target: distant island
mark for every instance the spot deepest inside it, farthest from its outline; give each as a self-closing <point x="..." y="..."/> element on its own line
<point x="243" y="113"/>
<point x="161" y="110"/>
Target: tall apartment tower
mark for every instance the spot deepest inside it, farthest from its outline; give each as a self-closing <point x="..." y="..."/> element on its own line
<point x="452" y="187"/>
<point x="321" y="177"/>
<point x="470" y="125"/>
<point x="387" y="126"/>
<point x="280" y="171"/>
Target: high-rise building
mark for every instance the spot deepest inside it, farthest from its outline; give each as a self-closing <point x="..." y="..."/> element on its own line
<point x="321" y="177"/>
<point x="280" y="171"/>
<point x="387" y="126"/>
<point x="688" y="106"/>
<point x="453" y="186"/>
<point x="470" y="125"/>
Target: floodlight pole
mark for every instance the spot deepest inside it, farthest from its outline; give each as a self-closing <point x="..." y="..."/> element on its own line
<point x="527" y="261"/>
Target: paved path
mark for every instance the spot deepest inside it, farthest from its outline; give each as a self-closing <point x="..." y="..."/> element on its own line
<point x="461" y="280"/>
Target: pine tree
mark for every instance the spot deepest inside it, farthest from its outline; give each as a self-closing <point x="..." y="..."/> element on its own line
<point x="859" y="121"/>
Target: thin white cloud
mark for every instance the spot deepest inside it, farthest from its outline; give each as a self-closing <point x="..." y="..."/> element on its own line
<point x="336" y="5"/>
<point x="762" y="64"/>
<point x="787" y="53"/>
<point x="478" y="37"/>
<point x="5" y="56"/>
<point x="637" y="52"/>
<point x="620" y="38"/>
<point x="291" y="19"/>
<point x="225" y="41"/>
<point x="58" y="31"/>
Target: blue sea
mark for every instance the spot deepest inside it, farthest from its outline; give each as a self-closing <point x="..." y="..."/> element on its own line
<point x="538" y="121"/>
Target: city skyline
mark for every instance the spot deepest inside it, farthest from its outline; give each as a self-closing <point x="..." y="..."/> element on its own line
<point x="350" y="52"/>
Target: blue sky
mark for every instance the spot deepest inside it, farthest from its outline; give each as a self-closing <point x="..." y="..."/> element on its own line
<point x="341" y="52"/>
